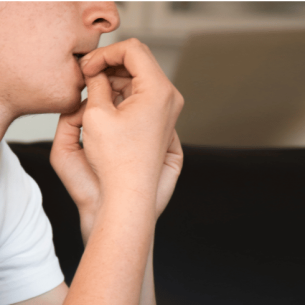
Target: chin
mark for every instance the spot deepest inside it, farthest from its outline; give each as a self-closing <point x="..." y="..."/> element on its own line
<point x="70" y="107"/>
<point x="66" y="104"/>
<point x="71" y="100"/>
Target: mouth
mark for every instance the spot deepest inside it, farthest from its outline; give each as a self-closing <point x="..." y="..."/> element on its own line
<point x="78" y="56"/>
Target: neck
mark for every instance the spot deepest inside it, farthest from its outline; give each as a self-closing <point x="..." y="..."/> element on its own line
<point x="6" y="118"/>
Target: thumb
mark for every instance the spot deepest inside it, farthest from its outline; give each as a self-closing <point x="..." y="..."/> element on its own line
<point x="67" y="135"/>
<point x="99" y="91"/>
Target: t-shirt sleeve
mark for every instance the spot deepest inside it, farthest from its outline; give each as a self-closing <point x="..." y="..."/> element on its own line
<point x="28" y="264"/>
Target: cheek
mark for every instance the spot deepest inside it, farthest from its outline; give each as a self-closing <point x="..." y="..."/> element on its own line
<point x="58" y="89"/>
<point x="66" y="86"/>
<point x="39" y="88"/>
<point x="39" y="73"/>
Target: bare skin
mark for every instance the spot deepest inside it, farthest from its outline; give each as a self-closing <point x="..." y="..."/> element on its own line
<point x="123" y="178"/>
<point x="132" y="163"/>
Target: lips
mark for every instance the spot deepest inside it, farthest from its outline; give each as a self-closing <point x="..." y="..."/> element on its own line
<point x="78" y="56"/>
<point x="78" y="72"/>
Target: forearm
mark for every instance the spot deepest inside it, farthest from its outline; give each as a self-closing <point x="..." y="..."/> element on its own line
<point x="112" y="268"/>
<point x="148" y="288"/>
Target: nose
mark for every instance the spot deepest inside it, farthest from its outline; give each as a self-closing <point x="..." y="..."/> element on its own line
<point x="101" y="16"/>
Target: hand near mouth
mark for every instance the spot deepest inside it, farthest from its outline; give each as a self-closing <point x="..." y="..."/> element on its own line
<point x="131" y="160"/>
<point x="70" y="163"/>
<point x="121" y="84"/>
<point x="137" y="132"/>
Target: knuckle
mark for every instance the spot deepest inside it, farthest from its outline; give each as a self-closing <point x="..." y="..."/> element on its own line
<point x="171" y="97"/>
<point x="180" y="100"/>
<point x="145" y="47"/>
<point x="177" y="99"/>
<point x="134" y="42"/>
<point x="168" y="90"/>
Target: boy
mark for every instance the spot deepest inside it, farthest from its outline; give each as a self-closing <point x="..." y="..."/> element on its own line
<point x="123" y="178"/>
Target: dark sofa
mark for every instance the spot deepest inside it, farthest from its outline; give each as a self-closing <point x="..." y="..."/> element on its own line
<point x="232" y="233"/>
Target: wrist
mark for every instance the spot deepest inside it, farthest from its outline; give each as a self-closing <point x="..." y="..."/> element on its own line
<point x="144" y="197"/>
<point x="128" y="207"/>
<point x="86" y="224"/>
<point x="125" y="181"/>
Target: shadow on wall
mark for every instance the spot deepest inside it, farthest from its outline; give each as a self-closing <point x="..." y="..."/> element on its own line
<point x="243" y="89"/>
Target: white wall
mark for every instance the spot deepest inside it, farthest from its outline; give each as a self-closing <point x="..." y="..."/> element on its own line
<point x="42" y="127"/>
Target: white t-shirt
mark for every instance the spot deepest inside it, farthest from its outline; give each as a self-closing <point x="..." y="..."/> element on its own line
<point x="28" y="264"/>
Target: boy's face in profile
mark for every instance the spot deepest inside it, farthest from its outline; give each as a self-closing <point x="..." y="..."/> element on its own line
<point x="39" y="71"/>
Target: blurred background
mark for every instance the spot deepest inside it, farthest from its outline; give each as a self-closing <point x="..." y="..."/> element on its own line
<point x="239" y="65"/>
<point x="234" y="228"/>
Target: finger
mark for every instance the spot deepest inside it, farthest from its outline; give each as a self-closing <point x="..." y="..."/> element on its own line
<point x="68" y="129"/>
<point x="174" y="155"/>
<point x="99" y="91"/>
<point x="114" y="95"/>
<point x="131" y="53"/>
<point x="121" y="84"/>
<point x="175" y="145"/>
<point x="117" y="71"/>
<point x="118" y="100"/>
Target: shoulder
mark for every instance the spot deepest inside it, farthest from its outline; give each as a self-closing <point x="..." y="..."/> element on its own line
<point x="28" y="263"/>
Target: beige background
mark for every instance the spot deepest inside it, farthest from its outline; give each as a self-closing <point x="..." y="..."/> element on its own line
<point x="254" y="104"/>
